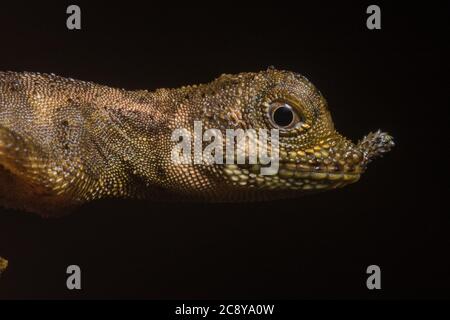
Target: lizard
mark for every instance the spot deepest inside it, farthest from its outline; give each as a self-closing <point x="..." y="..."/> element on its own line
<point x="65" y="142"/>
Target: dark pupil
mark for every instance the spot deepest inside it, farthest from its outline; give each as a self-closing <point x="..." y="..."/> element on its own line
<point x="283" y="116"/>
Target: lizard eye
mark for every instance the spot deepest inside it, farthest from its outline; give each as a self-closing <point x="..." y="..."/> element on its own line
<point x="283" y="116"/>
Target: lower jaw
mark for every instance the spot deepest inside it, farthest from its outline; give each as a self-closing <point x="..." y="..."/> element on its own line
<point x="307" y="183"/>
<point x="323" y="176"/>
<point x="291" y="179"/>
<point x="319" y="180"/>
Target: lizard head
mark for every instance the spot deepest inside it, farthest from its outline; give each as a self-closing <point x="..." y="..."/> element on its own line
<point x="312" y="155"/>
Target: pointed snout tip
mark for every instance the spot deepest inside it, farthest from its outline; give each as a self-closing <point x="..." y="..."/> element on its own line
<point x="385" y="140"/>
<point x="375" y="144"/>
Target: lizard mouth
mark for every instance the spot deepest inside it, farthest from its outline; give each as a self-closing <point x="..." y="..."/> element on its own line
<point x="315" y="179"/>
<point x="331" y="164"/>
<point x="290" y="176"/>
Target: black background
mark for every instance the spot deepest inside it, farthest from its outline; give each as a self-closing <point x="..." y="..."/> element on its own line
<point x="319" y="246"/>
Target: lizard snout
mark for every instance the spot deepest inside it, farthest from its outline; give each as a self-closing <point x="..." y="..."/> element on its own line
<point x="374" y="145"/>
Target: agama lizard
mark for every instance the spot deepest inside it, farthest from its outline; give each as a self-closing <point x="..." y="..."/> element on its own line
<point x="65" y="142"/>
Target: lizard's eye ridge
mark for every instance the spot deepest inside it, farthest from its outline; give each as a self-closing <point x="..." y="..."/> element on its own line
<point x="283" y="116"/>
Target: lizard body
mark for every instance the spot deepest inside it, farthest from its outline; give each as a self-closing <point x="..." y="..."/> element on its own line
<point x="65" y="142"/>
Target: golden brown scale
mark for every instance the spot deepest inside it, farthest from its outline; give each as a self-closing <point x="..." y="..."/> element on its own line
<point x="65" y="142"/>
<point x="3" y="265"/>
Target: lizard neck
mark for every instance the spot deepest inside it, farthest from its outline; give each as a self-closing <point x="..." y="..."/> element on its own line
<point x="136" y="140"/>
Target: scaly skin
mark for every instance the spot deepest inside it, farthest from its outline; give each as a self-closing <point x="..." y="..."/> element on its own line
<point x="65" y="142"/>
